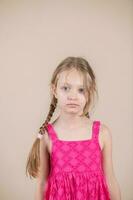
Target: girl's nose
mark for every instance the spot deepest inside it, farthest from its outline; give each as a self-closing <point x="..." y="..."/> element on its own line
<point x="72" y="95"/>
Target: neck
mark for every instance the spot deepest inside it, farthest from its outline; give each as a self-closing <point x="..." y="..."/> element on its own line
<point x="70" y="120"/>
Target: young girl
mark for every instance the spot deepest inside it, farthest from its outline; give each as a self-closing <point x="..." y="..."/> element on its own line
<point x="72" y="156"/>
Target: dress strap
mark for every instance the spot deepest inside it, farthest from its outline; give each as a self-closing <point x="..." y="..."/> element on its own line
<point x="95" y="129"/>
<point x="51" y="131"/>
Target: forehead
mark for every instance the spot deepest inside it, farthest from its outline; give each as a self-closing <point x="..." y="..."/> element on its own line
<point x="72" y="77"/>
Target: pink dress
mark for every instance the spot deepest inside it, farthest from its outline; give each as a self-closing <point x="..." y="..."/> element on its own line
<point x="76" y="171"/>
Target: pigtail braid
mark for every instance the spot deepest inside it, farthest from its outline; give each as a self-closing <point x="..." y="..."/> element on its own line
<point x="33" y="160"/>
<point x="49" y="116"/>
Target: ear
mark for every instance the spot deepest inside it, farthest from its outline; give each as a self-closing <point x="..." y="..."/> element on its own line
<point x="53" y="90"/>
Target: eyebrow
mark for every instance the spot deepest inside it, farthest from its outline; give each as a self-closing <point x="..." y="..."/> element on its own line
<point x="71" y="85"/>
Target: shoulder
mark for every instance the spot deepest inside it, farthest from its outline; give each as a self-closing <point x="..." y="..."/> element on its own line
<point x="45" y="140"/>
<point x="105" y="133"/>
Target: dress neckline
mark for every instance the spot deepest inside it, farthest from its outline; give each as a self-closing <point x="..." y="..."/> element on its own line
<point x="71" y="141"/>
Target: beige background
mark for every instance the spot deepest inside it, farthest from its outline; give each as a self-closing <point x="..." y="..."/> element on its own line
<point x="34" y="37"/>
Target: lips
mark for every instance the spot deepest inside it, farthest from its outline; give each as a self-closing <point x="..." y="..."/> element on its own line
<point x="72" y="104"/>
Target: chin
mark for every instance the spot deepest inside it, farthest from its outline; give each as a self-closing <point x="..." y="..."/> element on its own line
<point x="74" y="112"/>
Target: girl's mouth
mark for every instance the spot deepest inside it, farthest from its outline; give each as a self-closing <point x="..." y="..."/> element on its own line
<point x="72" y="104"/>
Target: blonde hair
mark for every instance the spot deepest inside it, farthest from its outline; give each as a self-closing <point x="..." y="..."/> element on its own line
<point x="82" y="66"/>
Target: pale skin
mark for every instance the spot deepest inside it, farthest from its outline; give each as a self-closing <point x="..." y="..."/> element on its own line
<point x="70" y="122"/>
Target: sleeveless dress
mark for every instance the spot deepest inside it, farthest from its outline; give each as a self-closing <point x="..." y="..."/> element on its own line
<point x="76" y="171"/>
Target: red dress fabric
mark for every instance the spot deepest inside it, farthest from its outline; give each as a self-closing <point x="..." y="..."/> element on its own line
<point x="76" y="171"/>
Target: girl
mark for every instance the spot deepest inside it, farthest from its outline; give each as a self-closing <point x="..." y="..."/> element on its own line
<point x="72" y="156"/>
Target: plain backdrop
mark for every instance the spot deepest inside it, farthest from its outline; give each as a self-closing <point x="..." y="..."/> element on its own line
<point x="34" y="37"/>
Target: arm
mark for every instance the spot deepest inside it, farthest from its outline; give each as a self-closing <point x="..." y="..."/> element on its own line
<point x="108" y="164"/>
<point x="43" y="169"/>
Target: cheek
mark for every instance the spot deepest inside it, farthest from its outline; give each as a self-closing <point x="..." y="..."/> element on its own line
<point x="62" y="98"/>
<point x="83" y="100"/>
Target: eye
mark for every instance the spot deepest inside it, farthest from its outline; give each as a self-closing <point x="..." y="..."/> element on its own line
<point x="81" y="90"/>
<point x="65" y="88"/>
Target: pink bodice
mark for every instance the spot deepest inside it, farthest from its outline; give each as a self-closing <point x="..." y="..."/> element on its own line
<point x="76" y="171"/>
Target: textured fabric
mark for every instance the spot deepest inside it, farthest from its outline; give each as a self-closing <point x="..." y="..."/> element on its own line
<point x="76" y="171"/>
